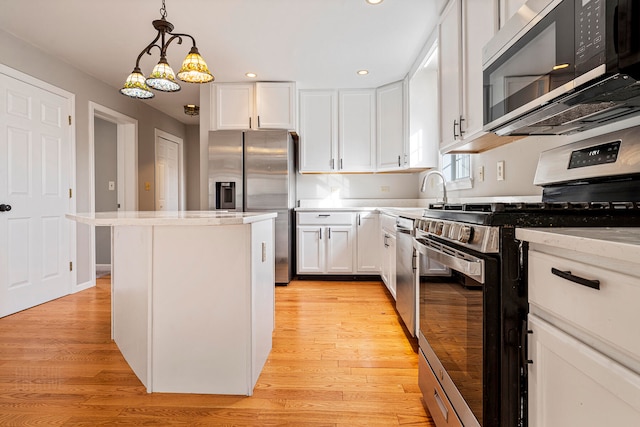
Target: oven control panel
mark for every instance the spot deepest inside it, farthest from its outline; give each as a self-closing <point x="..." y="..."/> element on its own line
<point x="480" y="238"/>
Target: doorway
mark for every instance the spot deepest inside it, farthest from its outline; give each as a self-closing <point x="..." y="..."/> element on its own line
<point x="113" y="148"/>
<point x="170" y="191"/>
<point x="36" y="185"/>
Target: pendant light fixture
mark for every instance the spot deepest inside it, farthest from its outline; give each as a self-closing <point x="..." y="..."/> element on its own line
<point x="194" y="69"/>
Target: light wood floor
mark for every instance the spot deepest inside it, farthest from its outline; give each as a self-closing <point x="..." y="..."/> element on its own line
<point x="339" y="358"/>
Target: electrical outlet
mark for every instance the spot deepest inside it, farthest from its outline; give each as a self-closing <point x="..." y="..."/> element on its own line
<point x="500" y="170"/>
<point x="112" y="185"/>
<point x="481" y="173"/>
<point x="147" y="186"/>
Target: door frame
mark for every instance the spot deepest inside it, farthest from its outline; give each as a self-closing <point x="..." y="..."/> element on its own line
<point x="71" y="99"/>
<point x="127" y="155"/>
<point x="181" y="179"/>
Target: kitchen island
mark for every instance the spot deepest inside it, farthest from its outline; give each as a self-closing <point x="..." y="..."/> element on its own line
<point x="192" y="297"/>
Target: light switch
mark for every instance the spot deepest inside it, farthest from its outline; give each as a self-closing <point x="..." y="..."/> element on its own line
<point x="112" y="185"/>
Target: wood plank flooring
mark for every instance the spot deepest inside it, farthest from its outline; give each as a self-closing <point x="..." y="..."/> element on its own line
<point x="340" y="358"/>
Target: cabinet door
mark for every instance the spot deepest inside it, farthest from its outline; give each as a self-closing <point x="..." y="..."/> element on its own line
<point x="356" y="142"/>
<point x="233" y="107"/>
<point x="390" y="119"/>
<point x="384" y="258"/>
<point x="571" y="384"/>
<point x="508" y="8"/>
<point x="275" y="105"/>
<point x="311" y="249"/>
<point x="450" y="64"/>
<point x="318" y="124"/>
<point x="368" y="243"/>
<point x="340" y="249"/>
<point x="391" y="241"/>
<point x="479" y="25"/>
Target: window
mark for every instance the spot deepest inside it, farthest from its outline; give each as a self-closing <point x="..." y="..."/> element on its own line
<point x="456" y="167"/>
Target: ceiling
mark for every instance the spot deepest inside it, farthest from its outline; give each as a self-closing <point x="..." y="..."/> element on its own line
<point x="316" y="43"/>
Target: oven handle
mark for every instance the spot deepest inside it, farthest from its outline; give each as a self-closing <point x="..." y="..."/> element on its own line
<point x="452" y="258"/>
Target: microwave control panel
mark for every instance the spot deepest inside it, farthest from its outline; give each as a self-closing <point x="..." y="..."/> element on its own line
<point x="590" y="31"/>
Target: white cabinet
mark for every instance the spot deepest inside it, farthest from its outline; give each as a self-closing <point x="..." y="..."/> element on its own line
<point x="583" y="346"/>
<point x="325" y="242"/>
<point x="357" y="141"/>
<point x="508" y="8"/>
<point x="388" y="252"/>
<point x="337" y="131"/>
<point x="240" y="106"/>
<point x="464" y="28"/>
<point x="368" y="242"/>
<point x="390" y="126"/>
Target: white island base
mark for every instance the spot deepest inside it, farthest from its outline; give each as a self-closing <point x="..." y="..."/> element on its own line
<point x="192" y="297"/>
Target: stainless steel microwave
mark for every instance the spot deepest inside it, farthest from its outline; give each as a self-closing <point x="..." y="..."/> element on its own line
<point x="563" y="66"/>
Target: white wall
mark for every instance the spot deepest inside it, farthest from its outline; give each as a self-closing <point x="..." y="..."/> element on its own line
<point x="358" y="186"/>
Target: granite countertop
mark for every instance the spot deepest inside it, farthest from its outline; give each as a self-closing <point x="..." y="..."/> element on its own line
<point x="620" y="243"/>
<point x="169" y="218"/>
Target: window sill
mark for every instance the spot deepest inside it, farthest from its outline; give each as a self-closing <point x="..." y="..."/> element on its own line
<point x="460" y="184"/>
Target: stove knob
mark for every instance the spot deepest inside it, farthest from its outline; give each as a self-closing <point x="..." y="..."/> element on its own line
<point x="465" y="234"/>
<point x="438" y="228"/>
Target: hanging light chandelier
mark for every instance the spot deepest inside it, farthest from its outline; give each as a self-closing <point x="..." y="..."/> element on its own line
<point x="194" y="69"/>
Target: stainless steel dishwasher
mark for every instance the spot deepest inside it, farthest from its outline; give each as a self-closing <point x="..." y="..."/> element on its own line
<point x="406" y="293"/>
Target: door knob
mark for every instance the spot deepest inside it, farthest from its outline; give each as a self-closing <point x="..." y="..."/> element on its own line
<point x="5" y="208"/>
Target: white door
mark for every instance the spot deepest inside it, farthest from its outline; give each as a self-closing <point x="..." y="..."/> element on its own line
<point x="167" y="181"/>
<point x="35" y="167"/>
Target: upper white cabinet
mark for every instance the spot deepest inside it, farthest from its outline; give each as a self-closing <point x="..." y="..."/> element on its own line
<point x="464" y="28"/>
<point x="391" y="125"/>
<point x="253" y="106"/>
<point x="318" y="130"/>
<point x="356" y="142"/>
<point x="508" y="8"/>
<point x="337" y="130"/>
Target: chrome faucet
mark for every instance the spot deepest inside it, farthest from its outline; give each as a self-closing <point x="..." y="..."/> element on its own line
<point x="444" y="184"/>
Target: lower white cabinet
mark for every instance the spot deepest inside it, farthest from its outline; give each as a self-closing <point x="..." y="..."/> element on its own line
<point x="326" y="243"/>
<point x="583" y="346"/>
<point x="571" y="384"/>
<point x="368" y="242"/>
<point x="388" y="252"/>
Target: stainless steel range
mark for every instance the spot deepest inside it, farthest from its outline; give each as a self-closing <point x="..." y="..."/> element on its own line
<point x="472" y="326"/>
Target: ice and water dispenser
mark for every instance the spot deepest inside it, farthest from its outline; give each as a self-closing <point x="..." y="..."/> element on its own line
<point x="225" y="195"/>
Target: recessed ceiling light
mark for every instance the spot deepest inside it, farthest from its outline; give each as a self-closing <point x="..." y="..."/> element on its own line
<point x="374" y="1"/>
<point x="363" y="72"/>
<point x="252" y="75"/>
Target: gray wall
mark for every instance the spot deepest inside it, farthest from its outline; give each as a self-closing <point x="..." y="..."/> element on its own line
<point x="24" y="57"/>
<point x="106" y="170"/>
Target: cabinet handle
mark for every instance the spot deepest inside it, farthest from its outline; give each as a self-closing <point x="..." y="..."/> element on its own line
<point x="320" y="233"/>
<point x="455" y="123"/>
<point x="258" y="122"/>
<point x="249" y="122"/>
<point x="441" y="406"/>
<point x="594" y="284"/>
<point x="329" y="233"/>
<point x="359" y="219"/>
<point x="331" y="164"/>
<point x="460" y="126"/>
<point x="340" y="163"/>
<point x="324" y="215"/>
<point x="399" y="161"/>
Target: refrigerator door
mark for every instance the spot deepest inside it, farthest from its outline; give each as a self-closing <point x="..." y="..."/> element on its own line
<point x="267" y="158"/>
<point x="270" y="187"/>
<point x="225" y="167"/>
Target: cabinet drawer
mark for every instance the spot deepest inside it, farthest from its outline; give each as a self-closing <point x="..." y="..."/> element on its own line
<point x="611" y="313"/>
<point x="325" y="218"/>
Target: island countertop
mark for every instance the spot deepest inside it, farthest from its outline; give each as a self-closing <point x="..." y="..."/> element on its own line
<point x="169" y="218"/>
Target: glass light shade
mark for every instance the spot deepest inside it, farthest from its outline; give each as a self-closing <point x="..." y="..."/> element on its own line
<point x="194" y="68"/>
<point x="163" y="78"/>
<point x="136" y="87"/>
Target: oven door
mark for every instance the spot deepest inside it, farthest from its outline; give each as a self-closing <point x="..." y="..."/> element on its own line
<point x="459" y="321"/>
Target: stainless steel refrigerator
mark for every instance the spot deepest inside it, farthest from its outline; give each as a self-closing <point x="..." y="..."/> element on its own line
<point x="254" y="171"/>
